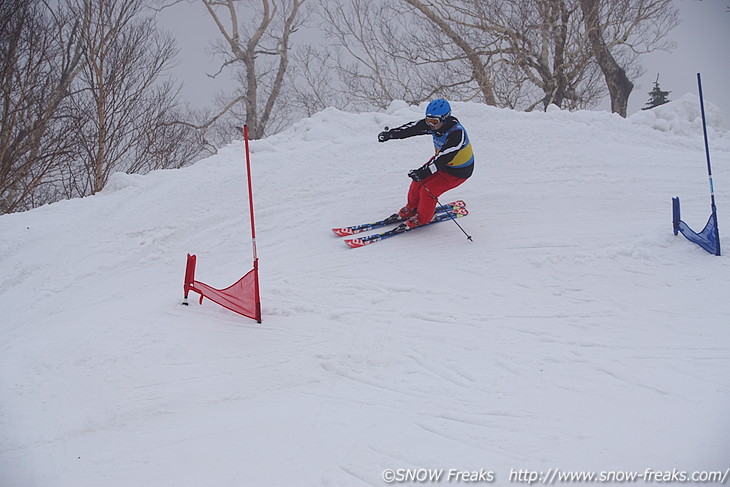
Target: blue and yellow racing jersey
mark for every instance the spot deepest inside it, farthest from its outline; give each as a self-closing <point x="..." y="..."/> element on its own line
<point x="454" y="154"/>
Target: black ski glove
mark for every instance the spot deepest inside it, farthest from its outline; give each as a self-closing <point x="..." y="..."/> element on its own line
<point x="422" y="172"/>
<point x="384" y="135"/>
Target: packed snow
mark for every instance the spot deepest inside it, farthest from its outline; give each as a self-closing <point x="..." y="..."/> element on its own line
<point x="575" y="332"/>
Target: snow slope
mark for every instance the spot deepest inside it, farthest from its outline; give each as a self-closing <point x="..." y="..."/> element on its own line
<point x="575" y="331"/>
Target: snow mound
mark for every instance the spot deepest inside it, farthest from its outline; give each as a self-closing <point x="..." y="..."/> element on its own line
<point x="119" y="181"/>
<point x="682" y="116"/>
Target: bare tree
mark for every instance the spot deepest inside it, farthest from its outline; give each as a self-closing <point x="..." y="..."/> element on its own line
<point x="515" y="53"/>
<point x="442" y="16"/>
<point x="530" y="50"/>
<point x="314" y="86"/>
<point x="80" y="97"/>
<point x="40" y="56"/>
<point x="261" y="47"/>
<point x="620" y="30"/>
<point x="123" y="108"/>
<point x="379" y="51"/>
<point x="619" y="84"/>
<point x="362" y="54"/>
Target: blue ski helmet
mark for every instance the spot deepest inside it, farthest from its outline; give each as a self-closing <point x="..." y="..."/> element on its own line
<point x="438" y="108"/>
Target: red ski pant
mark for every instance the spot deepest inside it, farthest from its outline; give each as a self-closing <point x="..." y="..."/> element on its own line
<point x="422" y="194"/>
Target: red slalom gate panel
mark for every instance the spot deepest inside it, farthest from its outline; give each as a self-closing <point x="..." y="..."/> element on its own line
<point x="241" y="297"/>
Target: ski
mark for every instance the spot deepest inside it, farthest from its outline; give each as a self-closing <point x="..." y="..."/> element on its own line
<point x="365" y="227"/>
<point x="455" y="212"/>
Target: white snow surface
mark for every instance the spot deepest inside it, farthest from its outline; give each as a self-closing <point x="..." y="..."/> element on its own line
<point x="575" y="332"/>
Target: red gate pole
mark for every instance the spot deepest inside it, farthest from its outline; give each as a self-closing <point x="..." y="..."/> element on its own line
<point x="253" y="228"/>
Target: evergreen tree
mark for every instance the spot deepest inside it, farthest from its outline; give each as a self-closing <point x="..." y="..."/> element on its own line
<point x="656" y="96"/>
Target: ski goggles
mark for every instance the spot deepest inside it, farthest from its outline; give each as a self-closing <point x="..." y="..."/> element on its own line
<point x="433" y="121"/>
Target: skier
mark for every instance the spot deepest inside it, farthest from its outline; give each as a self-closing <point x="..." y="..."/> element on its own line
<point x="452" y="164"/>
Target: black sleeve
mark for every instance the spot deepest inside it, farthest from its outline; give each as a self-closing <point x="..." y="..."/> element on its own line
<point x="417" y="127"/>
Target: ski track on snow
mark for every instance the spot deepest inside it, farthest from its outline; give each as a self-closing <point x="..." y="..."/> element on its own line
<point x="574" y="332"/>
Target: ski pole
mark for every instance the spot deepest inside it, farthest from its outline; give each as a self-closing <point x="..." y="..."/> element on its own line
<point x="468" y="237"/>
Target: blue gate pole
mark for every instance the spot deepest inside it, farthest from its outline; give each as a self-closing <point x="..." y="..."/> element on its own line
<point x="709" y="167"/>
